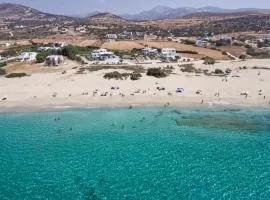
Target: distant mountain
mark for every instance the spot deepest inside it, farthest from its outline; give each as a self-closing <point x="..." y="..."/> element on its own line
<point x="155" y="13"/>
<point x="105" y="18"/>
<point x="19" y="13"/>
<point x="164" y="12"/>
<point x="16" y="12"/>
<point x="223" y="15"/>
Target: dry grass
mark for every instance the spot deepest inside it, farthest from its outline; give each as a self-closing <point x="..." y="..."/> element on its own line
<point x="172" y="23"/>
<point x="134" y="68"/>
<point x="183" y="47"/>
<point x="29" y="68"/>
<point x="122" y="45"/>
<point x="68" y="39"/>
<point x="234" y="50"/>
<point x="194" y="56"/>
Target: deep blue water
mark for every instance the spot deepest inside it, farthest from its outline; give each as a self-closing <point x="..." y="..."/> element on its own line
<point x="143" y="153"/>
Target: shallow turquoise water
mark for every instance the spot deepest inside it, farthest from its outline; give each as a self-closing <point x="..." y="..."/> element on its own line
<point x="147" y="153"/>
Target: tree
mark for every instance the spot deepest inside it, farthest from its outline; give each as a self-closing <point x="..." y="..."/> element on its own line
<point x="40" y="58"/>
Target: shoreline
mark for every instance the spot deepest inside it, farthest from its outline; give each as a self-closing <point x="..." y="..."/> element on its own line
<point x="37" y="107"/>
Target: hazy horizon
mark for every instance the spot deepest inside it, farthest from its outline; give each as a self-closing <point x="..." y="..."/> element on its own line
<point x="124" y="7"/>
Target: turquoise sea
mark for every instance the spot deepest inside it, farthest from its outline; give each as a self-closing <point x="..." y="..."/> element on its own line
<point x="140" y="153"/>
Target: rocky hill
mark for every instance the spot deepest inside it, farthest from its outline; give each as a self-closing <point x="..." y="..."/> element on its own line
<point x="106" y="18"/>
<point x="20" y="13"/>
<point x="164" y="12"/>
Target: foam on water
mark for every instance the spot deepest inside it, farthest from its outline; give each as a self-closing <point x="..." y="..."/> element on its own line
<point x="146" y="153"/>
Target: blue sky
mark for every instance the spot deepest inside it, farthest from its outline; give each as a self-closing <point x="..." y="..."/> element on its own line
<point x="130" y="6"/>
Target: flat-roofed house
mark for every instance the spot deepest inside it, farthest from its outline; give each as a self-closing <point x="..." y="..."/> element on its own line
<point x="101" y="54"/>
<point x="149" y="51"/>
<point x="54" y="60"/>
<point x="111" y="37"/>
<point x="27" y="56"/>
<point x="168" y="53"/>
<point x="201" y="43"/>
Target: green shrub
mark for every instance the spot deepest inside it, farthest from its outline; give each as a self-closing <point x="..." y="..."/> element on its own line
<point x="247" y="46"/>
<point x="16" y="75"/>
<point x="16" y="50"/>
<point x="242" y="57"/>
<point x="189" y="68"/>
<point x="2" y="72"/>
<point x="135" y="76"/>
<point x="156" y="72"/>
<point x="258" y="53"/>
<point x="189" y="42"/>
<point x="72" y="52"/>
<point x="113" y="75"/>
<point x="237" y="44"/>
<point x="188" y="52"/>
<point x="3" y="64"/>
<point x="209" y="61"/>
<point x="40" y="58"/>
<point x="218" y="71"/>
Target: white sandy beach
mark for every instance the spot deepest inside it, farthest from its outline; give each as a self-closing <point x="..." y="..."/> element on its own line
<point x="35" y="92"/>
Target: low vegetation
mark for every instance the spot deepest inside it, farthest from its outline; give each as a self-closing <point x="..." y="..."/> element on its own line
<point x="209" y="61"/>
<point x="16" y="75"/>
<point x="135" y="76"/>
<point x="188" y="52"/>
<point x="40" y="58"/>
<point x="122" y="76"/>
<point x="3" y="64"/>
<point x="16" y="50"/>
<point x="259" y="54"/>
<point x="115" y="67"/>
<point x="156" y="72"/>
<point x="265" y="43"/>
<point x="71" y="51"/>
<point x="243" y="57"/>
<point x="219" y="72"/>
<point x="263" y="68"/>
<point x="189" y="68"/>
<point x="2" y="72"/>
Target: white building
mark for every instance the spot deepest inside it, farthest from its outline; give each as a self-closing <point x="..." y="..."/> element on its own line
<point x="127" y="35"/>
<point x="201" y="43"/>
<point x="168" y="53"/>
<point x="101" y="54"/>
<point x="111" y="36"/>
<point x="81" y="29"/>
<point x="19" y="27"/>
<point x="111" y="61"/>
<point x="27" y="56"/>
<point x="54" y="60"/>
<point x="149" y="51"/>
